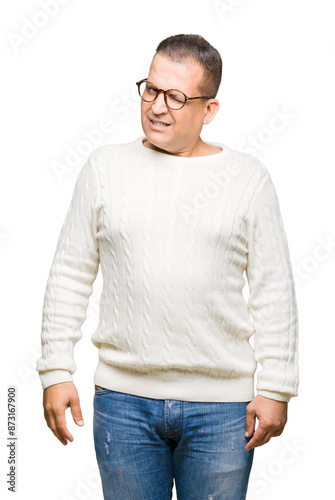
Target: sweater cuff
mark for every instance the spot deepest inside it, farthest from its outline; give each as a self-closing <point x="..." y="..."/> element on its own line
<point x="52" y="377"/>
<point x="277" y="396"/>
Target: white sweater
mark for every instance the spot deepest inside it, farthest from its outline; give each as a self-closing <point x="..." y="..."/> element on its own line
<point x="173" y="236"/>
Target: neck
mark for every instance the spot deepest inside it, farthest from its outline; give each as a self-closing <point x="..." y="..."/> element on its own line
<point x="200" y="149"/>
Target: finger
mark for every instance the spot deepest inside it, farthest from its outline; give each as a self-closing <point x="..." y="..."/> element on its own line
<point x="61" y="427"/>
<point x="76" y="412"/>
<point x="278" y="432"/>
<point x="250" y="421"/>
<point x="52" y="426"/>
<point x="260" y="437"/>
<point x="57" y="424"/>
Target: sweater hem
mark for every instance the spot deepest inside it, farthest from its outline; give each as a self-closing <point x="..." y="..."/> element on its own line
<point x="189" y="387"/>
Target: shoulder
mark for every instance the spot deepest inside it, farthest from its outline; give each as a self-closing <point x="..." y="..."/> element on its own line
<point x="112" y="152"/>
<point x="249" y="169"/>
<point x="246" y="160"/>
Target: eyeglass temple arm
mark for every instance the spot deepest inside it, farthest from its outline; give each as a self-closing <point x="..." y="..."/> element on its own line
<point x="187" y="98"/>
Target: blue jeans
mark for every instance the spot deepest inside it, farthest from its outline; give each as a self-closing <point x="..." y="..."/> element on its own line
<point x="141" y="444"/>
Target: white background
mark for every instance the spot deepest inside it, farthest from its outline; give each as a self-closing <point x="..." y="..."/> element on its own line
<point x="79" y="67"/>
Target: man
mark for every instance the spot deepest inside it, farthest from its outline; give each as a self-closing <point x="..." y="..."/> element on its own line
<point x="174" y="222"/>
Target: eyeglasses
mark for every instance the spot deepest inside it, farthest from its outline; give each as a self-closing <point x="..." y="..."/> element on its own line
<point x="174" y="99"/>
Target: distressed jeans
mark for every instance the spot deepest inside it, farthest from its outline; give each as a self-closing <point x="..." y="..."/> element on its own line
<point x="142" y="444"/>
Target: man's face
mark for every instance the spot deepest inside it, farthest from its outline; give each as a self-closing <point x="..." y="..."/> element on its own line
<point x="184" y="125"/>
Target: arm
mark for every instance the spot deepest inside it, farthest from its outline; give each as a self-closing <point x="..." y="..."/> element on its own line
<point x="74" y="268"/>
<point x="272" y="305"/>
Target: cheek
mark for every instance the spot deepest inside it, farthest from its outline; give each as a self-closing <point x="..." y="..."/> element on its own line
<point x="144" y="108"/>
<point x="188" y="123"/>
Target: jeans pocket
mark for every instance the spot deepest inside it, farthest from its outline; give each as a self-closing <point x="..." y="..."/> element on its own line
<point x="101" y="390"/>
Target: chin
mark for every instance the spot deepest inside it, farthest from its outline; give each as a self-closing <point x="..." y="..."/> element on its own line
<point x="155" y="139"/>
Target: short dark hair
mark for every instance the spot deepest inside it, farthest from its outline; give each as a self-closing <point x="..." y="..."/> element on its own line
<point x="195" y="48"/>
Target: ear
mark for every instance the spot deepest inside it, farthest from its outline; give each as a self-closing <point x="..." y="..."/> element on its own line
<point x="211" y="108"/>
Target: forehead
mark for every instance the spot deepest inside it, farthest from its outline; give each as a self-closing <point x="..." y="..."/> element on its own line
<point x="168" y="74"/>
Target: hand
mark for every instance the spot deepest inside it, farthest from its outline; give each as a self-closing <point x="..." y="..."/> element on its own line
<point x="56" y="399"/>
<point x="272" y="417"/>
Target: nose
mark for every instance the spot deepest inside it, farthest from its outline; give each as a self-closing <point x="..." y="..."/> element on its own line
<point x="159" y="106"/>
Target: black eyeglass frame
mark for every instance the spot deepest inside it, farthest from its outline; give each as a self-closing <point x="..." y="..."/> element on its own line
<point x="158" y="91"/>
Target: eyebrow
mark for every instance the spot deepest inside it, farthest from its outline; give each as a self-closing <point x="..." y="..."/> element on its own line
<point x="170" y="88"/>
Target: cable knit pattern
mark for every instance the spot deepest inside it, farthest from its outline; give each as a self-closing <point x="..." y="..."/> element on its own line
<point x="177" y="239"/>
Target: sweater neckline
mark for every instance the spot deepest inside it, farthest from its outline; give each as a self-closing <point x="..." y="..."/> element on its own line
<point x="152" y="153"/>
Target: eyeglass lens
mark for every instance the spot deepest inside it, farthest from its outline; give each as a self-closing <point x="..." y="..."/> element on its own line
<point x="174" y="98"/>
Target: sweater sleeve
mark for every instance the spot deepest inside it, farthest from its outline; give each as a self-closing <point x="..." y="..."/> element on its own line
<point x="272" y="299"/>
<point x="70" y="283"/>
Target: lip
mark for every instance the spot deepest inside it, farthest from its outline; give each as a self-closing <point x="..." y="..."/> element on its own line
<point x="158" y="127"/>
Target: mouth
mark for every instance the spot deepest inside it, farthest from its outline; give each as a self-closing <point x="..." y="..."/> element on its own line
<point x="158" y="124"/>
